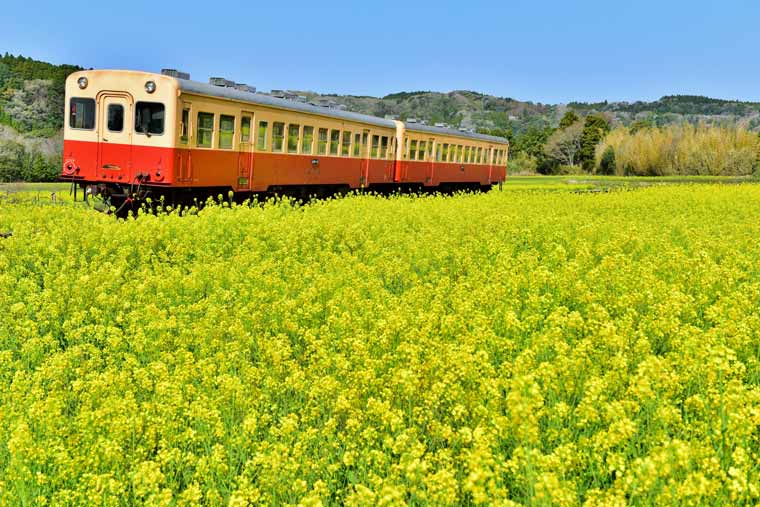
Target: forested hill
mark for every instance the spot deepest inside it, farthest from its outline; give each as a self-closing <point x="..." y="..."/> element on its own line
<point x="31" y="93"/>
<point x="31" y="113"/>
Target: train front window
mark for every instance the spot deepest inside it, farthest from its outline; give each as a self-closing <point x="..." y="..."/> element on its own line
<point x="115" y="117"/>
<point x="82" y="114"/>
<point x="149" y="118"/>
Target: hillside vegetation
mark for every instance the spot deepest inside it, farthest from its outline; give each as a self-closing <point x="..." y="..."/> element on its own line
<point x="31" y="118"/>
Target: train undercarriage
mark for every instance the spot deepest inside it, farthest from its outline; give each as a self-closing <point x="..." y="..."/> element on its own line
<point x="121" y="199"/>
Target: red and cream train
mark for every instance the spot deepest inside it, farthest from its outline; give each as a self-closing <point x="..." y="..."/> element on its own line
<point x="128" y="130"/>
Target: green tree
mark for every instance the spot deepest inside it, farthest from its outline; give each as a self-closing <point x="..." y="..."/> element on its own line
<point x="607" y="164"/>
<point x="641" y="125"/>
<point x="595" y="127"/>
<point x="569" y="119"/>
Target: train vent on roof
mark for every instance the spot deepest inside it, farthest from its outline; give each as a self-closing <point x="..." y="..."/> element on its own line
<point x="411" y="120"/>
<point x="175" y="73"/>
<point x="226" y="83"/>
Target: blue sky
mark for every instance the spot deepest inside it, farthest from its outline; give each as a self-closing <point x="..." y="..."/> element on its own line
<point x="551" y="51"/>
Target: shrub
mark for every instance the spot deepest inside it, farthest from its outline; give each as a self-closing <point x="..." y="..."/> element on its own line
<point x="682" y="150"/>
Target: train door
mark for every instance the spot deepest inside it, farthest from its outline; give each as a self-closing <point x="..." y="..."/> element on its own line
<point x="489" y="156"/>
<point x="245" y="152"/>
<point x="183" y="157"/>
<point x="431" y="160"/>
<point x="365" y="159"/>
<point x="115" y="136"/>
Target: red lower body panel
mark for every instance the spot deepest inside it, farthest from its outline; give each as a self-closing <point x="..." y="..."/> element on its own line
<point x="243" y="171"/>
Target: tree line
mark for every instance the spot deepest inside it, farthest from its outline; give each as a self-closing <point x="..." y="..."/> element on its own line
<point x="589" y="144"/>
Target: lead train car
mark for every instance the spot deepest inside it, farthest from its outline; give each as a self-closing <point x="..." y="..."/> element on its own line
<point x="133" y="133"/>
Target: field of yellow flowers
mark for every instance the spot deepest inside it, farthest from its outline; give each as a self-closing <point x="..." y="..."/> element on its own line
<point x="525" y="347"/>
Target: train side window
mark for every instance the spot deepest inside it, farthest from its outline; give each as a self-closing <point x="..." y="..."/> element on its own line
<point x="278" y="136"/>
<point x="82" y="114"/>
<point x="334" y="141"/>
<point x="149" y="118"/>
<point x="261" y="137"/>
<point x="365" y="140"/>
<point x="438" y="152"/>
<point x="406" y="147"/>
<point x="322" y="142"/>
<point x="421" y="152"/>
<point x="467" y="154"/>
<point x="392" y="154"/>
<point x="307" y="143"/>
<point x="430" y="151"/>
<point x="115" y="117"/>
<point x="375" y="145"/>
<point x="445" y="153"/>
<point x="357" y="145"/>
<point x="293" y="131"/>
<point x="184" y="126"/>
<point x="346" y="144"/>
<point x="205" y="129"/>
<point x="384" y="147"/>
<point x="226" y="131"/>
<point x="413" y="149"/>
<point x="245" y="129"/>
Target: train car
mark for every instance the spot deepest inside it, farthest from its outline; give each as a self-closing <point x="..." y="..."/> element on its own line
<point x="132" y="134"/>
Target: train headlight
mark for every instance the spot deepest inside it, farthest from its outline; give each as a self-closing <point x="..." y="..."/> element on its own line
<point x="150" y="86"/>
<point x="82" y="82"/>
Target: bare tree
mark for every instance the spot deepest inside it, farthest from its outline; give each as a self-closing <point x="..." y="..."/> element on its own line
<point x="564" y="145"/>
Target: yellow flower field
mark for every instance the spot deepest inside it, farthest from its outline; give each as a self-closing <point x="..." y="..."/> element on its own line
<point x="526" y="347"/>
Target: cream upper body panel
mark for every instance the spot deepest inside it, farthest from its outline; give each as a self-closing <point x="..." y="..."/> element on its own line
<point x="130" y="85"/>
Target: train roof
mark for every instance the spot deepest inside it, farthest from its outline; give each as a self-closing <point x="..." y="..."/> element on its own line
<point x="267" y="100"/>
<point x="419" y="127"/>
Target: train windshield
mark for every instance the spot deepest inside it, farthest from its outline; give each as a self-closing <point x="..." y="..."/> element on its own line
<point x="82" y="113"/>
<point x="149" y="118"/>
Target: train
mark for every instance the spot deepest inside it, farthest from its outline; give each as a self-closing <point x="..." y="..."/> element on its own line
<point x="129" y="135"/>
